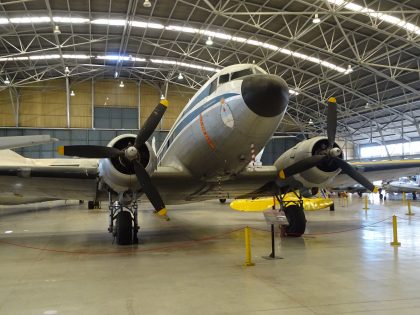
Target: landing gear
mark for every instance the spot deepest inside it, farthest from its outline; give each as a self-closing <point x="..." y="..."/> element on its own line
<point x="94" y="205"/>
<point x="294" y="214"/>
<point x="360" y="194"/>
<point x="124" y="228"/>
<point x="414" y="196"/>
<point x="223" y="200"/>
<point x="126" y="222"/>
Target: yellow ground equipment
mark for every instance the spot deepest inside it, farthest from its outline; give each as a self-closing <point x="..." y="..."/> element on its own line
<point x="261" y="204"/>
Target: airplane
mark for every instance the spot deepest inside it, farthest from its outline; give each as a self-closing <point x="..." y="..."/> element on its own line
<point x="204" y="156"/>
<point x="403" y="185"/>
<point x="24" y="141"/>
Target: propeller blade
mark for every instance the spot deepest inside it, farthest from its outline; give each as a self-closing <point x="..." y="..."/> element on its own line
<point x="331" y="120"/>
<point x="89" y="151"/>
<point x="150" y="190"/>
<point x="302" y="165"/>
<point x="353" y="173"/>
<point x="151" y="123"/>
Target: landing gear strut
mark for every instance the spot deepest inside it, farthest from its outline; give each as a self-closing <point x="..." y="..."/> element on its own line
<point x="126" y="222"/>
<point x="295" y="215"/>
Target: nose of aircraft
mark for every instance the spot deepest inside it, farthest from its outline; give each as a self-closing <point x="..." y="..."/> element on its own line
<point x="265" y="94"/>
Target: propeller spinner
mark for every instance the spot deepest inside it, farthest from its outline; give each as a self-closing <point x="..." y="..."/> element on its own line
<point x="330" y="155"/>
<point x="131" y="155"/>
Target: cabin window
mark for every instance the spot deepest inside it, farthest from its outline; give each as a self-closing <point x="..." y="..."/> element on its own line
<point x="224" y="78"/>
<point x="213" y="86"/>
<point x="240" y="74"/>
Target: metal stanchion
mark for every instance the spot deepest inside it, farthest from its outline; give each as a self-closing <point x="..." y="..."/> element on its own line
<point x="395" y="232"/>
<point x="409" y="208"/>
<point x="366" y="203"/>
<point x="248" y="260"/>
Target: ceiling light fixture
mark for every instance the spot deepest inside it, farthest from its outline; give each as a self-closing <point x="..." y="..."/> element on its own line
<point x="147" y="4"/>
<point x="66" y="70"/>
<point x="7" y="81"/>
<point x="316" y="20"/>
<point x="116" y="74"/>
<point x="57" y="30"/>
<point x="209" y="41"/>
<point x="162" y="97"/>
<point x="72" y="93"/>
<point x="180" y="76"/>
<point x="310" y="122"/>
<point x="367" y="106"/>
<point x="122" y="84"/>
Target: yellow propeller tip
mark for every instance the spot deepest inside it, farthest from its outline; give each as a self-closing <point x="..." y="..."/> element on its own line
<point x="282" y="175"/>
<point x="164" y="102"/>
<point x="332" y="100"/>
<point x="60" y="150"/>
<point x="162" y="212"/>
<point x="375" y="190"/>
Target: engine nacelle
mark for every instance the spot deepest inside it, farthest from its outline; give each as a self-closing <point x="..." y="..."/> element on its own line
<point x="119" y="176"/>
<point x="318" y="176"/>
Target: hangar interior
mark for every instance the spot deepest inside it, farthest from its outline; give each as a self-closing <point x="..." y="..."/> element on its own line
<point x="85" y="72"/>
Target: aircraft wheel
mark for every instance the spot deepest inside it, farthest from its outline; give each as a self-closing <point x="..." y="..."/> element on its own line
<point x="332" y="207"/>
<point x="414" y="196"/>
<point x="223" y="200"/>
<point x="297" y="221"/>
<point x="360" y="194"/>
<point x="381" y="196"/>
<point x="91" y="204"/>
<point x="124" y="228"/>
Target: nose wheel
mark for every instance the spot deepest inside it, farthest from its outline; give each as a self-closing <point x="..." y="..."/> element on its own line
<point x="126" y="225"/>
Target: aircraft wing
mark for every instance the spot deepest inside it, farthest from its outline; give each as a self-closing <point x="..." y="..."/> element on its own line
<point x="380" y="170"/>
<point x="25" y="180"/>
<point x="24" y="141"/>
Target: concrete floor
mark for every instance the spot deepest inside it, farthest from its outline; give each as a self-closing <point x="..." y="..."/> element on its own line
<point x="59" y="259"/>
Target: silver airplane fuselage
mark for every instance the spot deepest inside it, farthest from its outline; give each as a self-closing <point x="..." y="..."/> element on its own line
<point x="217" y="135"/>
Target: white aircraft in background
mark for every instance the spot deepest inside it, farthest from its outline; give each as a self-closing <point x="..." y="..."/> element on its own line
<point x="204" y="156"/>
<point x="24" y="141"/>
<point x="403" y="185"/>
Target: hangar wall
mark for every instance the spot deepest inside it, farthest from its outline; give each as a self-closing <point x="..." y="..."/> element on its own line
<point x="43" y="105"/>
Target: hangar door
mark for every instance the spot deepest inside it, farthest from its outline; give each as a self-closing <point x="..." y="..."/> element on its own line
<point x="115" y="117"/>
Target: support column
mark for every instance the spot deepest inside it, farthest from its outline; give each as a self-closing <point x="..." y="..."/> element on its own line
<point x="17" y="107"/>
<point x="68" y="101"/>
<point x="138" y="104"/>
<point x="93" y="103"/>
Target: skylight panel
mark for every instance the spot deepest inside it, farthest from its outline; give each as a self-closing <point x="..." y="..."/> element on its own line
<point x="30" y="19"/>
<point x="113" y="22"/>
<point x="72" y="20"/>
<point x="4" y="21"/>
<point x="380" y="16"/>
<point x="147" y="25"/>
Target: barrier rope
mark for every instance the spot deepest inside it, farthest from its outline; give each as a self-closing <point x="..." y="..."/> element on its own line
<point x="132" y="250"/>
<point x="182" y="244"/>
<point x="337" y="232"/>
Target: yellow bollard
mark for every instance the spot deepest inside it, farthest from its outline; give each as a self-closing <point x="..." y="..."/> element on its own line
<point x="395" y="232"/>
<point x="248" y="261"/>
<point x="403" y="198"/>
<point x="366" y="203"/>
<point x="409" y="208"/>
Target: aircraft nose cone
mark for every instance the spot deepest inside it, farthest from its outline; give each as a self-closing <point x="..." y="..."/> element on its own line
<point x="266" y="95"/>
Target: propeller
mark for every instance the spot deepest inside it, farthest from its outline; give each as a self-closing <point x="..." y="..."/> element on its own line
<point x="130" y="155"/>
<point x="330" y="155"/>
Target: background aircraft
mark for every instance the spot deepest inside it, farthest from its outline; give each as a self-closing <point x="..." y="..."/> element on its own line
<point x="204" y="156"/>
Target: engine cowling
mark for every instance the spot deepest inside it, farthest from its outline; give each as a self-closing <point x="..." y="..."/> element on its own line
<point x="318" y="176"/>
<point x="119" y="176"/>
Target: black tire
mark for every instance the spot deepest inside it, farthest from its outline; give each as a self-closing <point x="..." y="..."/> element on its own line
<point x="332" y="207"/>
<point x="297" y="221"/>
<point x="91" y="204"/>
<point x="124" y="228"/>
<point x="414" y="196"/>
<point x="223" y="200"/>
<point x="381" y="196"/>
<point x="360" y="194"/>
